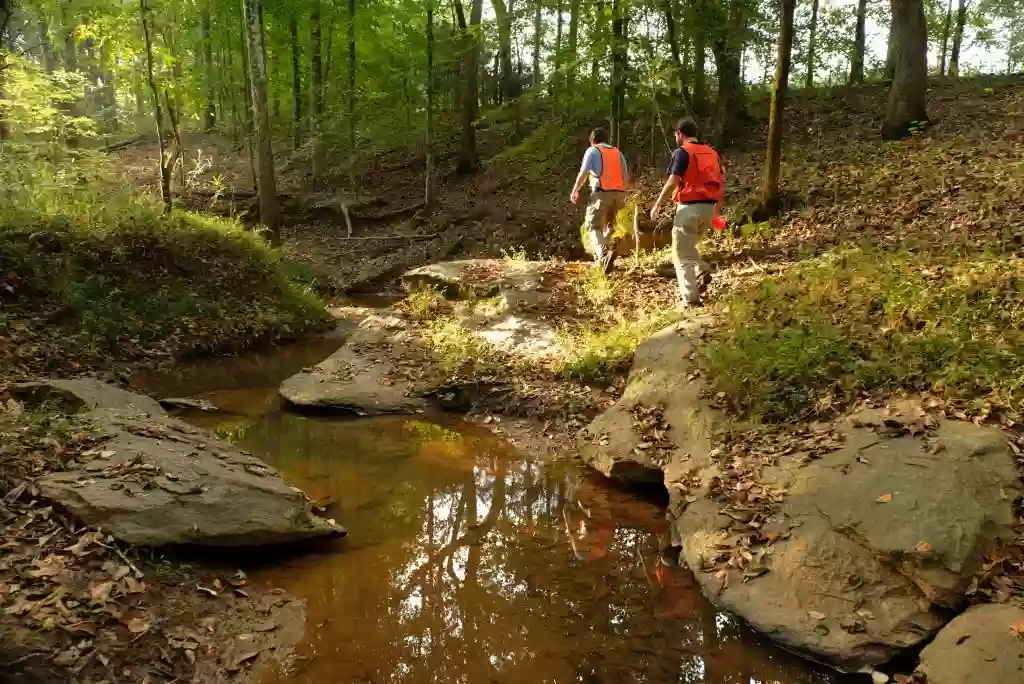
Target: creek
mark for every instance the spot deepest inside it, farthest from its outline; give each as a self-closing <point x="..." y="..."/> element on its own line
<point x="468" y="561"/>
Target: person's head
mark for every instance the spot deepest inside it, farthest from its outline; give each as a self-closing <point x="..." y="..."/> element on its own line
<point x="598" y="136"/>
<point x="686" y="129"/>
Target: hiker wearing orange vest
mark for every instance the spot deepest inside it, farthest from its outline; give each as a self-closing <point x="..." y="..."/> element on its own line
<point x="696" y="183"/>
<point x="605" y="167"/>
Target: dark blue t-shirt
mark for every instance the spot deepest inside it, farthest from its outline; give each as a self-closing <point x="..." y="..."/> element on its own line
<point x="680" y="160"/>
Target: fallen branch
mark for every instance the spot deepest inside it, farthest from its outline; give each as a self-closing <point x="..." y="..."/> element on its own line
<point x="392" y="237"/>
<point x="389" y="215"/>
<point x="123" y="144"/>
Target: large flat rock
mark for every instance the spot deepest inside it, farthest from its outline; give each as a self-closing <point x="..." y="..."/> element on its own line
<point x="985" y="645"/>
<point x="852" y="544"/>
<point x="478" y="278"/>
<point x="362" y="377"/>
<point x="80" y="394"/>
<point x="159" y="481"/>
<point x="848" y="541"/>
<point x="662" y="378"/>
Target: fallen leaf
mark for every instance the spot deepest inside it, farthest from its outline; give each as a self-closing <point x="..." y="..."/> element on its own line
<point x="137" y="625"/>
<point x="923" y="547"/>
<point x="885" y="498"/>
<point x="206" y="590"/>
<point x="816" y="615"/>
<point x="1017" y="629"/>
<point x="100" y="593"/>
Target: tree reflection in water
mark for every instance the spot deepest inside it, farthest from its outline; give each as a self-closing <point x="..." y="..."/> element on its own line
<point x="466" y="563"/>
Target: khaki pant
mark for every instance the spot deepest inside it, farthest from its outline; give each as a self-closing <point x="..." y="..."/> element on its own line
<point x="600" y="219"/>
<point x="691" y="223"/>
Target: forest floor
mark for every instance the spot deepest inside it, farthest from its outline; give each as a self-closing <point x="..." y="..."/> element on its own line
<point x="903" y="262"/>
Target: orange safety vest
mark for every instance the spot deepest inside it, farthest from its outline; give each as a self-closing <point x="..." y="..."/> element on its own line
<point x="612" y="175"/>
<point x="703" y="180"/>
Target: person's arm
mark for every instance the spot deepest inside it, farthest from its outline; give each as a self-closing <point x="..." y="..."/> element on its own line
<point x="588" y="167"/>
<point x="671" y="183"/>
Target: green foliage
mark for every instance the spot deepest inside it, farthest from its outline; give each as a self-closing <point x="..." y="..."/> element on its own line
<point x="540" y="152"/>
<point x="38" y="104"/>
<point x="857" y="321"/>
<point x="80" y="252"/>
<point x="597" y="287"/>
<point x="457" y="348"/>
<point x="623" y="228"/>
<point x="426" y="302"/>
<point x="598" y="353"/>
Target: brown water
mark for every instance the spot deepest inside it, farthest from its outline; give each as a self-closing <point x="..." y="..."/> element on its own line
<point x="467" y="562"/>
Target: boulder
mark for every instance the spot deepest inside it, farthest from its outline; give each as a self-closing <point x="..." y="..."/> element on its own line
<point x="361" y="377"/>
<point x="522" y="336"/>
<point x="661" y="380"/>
<point x="853" y="542"/>
<point x="159" y="481"/>
<point x="985" y="645"/>
<point x="478" y="278"/>
<point x="847" y="541"/>
<point x="82" y="394"/>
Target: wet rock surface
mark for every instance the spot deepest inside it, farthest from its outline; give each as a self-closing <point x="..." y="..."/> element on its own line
<point x="154" y="480"/>
<point x="74" y="395"/>
<point x="630" y="441"/>
<point x="985" y="644"/>
<point x="849" y="542"/>
<point x="365" y="376"/>
<point x="478" y="278"/>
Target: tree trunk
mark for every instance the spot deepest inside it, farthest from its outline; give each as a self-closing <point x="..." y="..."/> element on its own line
<point x="727" y="47"/>
<point x="574" y="32"/>
<point x="769" y="205"/>
<point x="673" y="43"/>
<point x="6" y="11"/>
<point x="210" y="108"/>
<point x="49" y="58"/>
<point x="946" y="26"/>
<point x="890" y="53"/>
<point x="859" y="41"/>
<point x="352" y="94"/>
<point x="958" y="39"/>
<point x="253" y="13"/>
<point x="316" y="94"/>
<point x="811" y="44"/>
<point x="538" y="27"/>
<point x="428" y="191"/>
<point x="471" y="78"/>
<point x="158" y="116"/>
<point x="73" y="107"/>
<point x="247" y="107"/>
<point x="506" y="89"/>
<point x="700" y="49"/>
<point x="906" y="107"/>
<point x="556" y="77"/>
<point x="293" y="31"/>
<point x="618" y="68"/>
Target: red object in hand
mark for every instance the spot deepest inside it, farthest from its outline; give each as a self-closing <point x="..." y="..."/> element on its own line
<point x="718" y="222"/>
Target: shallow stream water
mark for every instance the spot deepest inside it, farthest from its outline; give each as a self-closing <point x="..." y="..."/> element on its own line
<point x="467" y="562"/>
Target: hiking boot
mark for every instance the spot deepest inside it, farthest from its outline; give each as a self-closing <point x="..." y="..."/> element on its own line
<point x="608" y="262"/>
<point x="703" y="281"/>
<point x="684" y="306"/>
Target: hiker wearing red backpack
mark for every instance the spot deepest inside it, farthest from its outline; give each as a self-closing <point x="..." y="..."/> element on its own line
<point x="696" y="183"/>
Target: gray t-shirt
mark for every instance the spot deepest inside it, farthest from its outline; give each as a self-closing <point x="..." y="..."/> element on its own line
<point x="592" y="164"/>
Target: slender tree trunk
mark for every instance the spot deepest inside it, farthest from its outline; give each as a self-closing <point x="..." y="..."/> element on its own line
<point x="253" y="13"/>
<point x="727" y="47"/>
<point x="890" y="52"/>
<point x="206" y="43"/>
<point x="859" y="42"/>
<point x="428" y="191"/>
<point x="574" y="32"/>
<point x="352" y="94"/>
<point x="598" y="48"/>
<point x="556" y="78"/>
<point x="73" y="107"/>
<point x="618" y="77"/>
<point x="247" y="108"/>
<point x="700" y="49"/>
<point x="46" y="42"/>
<point x="316" y="95"/>
<point x="471" y="76"/>
<point x="293" y="31"/>
<point x="538" y="27"/>
<point x="769" y="204"/>
<point x="811" y="44"/>
<point x="165" y="172"/>
<point x="503" y="18"/>
<point x="906" y="107"/>
<point x="667" y="7"/>
<point x="946" y="27"/>
<point x="958" y="39"/>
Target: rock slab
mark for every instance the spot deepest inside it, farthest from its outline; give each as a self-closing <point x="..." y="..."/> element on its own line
<point x="477" y="278"/>
<point x="985" y="645"/>
<point x="156" y="480"/>
<point x="361" y="376"/>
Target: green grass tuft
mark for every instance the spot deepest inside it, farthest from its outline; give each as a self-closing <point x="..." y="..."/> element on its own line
<point x="856" y="321"/>
<point x="598" y="353"/>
